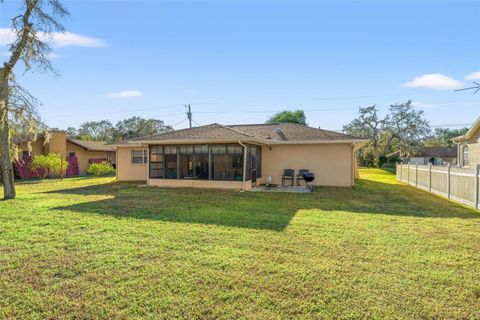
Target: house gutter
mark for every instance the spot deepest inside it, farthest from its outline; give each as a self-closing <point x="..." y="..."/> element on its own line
<point x="244" y="163"/>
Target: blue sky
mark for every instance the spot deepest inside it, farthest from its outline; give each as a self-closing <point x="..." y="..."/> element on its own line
<point x="240" y="62"/>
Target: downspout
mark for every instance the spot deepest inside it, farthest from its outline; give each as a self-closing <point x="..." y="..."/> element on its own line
<point x="353" y="164"/>
<point x="459" y="154"/>
<point x="244" y="164"/>
<point x="116" y="163"/>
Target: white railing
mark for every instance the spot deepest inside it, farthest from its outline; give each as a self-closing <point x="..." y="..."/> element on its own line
<point x="454" y="183"/>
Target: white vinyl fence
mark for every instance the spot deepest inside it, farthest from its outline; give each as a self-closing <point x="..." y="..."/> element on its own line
<point x="458" y="184"/>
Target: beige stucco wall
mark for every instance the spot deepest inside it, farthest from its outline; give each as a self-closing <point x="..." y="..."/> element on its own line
<point x="332" y="163"/>
<point x="83" y="156"/>
<point x="37" y="147"/>
<point x="474" y="145"/>
<point x="181" y="183"/>
<point x="57" y="144"/>
<point x="126" y="171"/>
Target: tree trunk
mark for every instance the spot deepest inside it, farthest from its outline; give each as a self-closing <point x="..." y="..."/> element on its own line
<point x="6" y="168"/>
<point x="376" y="154"/>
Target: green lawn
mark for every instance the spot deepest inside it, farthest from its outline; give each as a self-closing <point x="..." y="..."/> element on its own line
<point x="95" y="248"/>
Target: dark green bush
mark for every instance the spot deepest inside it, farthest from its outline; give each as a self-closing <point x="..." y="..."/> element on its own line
<point x="101" y="169"/>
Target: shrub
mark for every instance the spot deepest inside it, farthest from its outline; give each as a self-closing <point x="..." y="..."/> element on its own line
<point x="52" y="165"/>
<point x="101" y="169"/>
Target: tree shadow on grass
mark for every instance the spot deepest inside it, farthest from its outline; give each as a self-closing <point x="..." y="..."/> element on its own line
<point x="255" y="210"/>
<point x="202" y="206"/>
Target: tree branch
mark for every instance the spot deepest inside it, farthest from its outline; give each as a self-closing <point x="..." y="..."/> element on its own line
<point x="26" y="30"/>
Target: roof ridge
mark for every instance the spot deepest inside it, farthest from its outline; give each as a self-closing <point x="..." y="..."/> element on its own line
<point x="236" y="130"/>
<point x="162" y="133"/>
<point x="335" y="132"/>
<point x="87" y="141"/>
<point x="299" y="125"/>
<point x="252" y="124"/>
<point x="266" y="124"/>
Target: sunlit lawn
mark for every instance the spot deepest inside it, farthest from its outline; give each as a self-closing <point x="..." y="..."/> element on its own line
<point x="95" y="248"/>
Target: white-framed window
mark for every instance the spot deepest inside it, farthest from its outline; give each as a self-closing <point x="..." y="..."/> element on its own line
<point x="466" y="156"/>
<point x="139" y="156"/>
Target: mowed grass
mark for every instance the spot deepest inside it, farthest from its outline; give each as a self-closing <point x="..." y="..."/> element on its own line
<point x="94" y="248"/>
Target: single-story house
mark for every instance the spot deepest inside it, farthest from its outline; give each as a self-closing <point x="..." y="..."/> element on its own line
<point x="469" y="147"/>
<point x="85" y="152"/>
<point x="238" y="156"/>
<point x="437" y="156"/>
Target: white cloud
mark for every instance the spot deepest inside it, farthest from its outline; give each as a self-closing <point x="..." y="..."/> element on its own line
<point x="52" y="55"/>
<point x="6" y="36"/>
<point x="60" y="39"/>
<point x="473" y="76"/>
<point x="125" y="94"/>
<point x="57" y="39"/>
<point x="435" y="81"/>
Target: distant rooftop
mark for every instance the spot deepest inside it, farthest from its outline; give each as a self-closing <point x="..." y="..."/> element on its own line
<point x="92" y="145"/>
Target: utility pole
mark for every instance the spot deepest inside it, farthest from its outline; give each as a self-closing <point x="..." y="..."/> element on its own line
<point x="189" y="114"/>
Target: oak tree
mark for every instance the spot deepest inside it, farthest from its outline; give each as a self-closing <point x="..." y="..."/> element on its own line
<point x="32" y="27"/>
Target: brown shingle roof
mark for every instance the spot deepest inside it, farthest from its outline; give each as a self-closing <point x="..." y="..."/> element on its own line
<point x="209" y="132"/>
<point x="92" y="145"/>
<point x="284" y="132"/>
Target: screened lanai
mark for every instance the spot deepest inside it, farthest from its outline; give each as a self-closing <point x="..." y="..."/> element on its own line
<point x="218" y="162"/>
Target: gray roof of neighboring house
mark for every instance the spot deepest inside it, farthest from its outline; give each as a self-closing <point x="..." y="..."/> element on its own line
<point x="282" y="132"/>
<point x="437" y="152"/>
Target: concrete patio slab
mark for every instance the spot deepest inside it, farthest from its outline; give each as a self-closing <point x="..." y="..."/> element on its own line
<point x="295" y="189"/>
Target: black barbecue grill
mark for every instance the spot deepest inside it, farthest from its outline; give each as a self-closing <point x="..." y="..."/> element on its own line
<point x="309" y="177"/>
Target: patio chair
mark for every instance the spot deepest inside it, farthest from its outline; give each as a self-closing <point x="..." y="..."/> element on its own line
<point x="288" y="175"/>
<point x="300" y="175"/>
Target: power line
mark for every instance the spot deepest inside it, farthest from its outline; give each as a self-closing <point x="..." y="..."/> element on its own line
<point x="113" y="112"/>
<point x="190" y="114"/>
<point x="332" y="108"/>
<point x="327" y="109"/>
<point x="451" y="125"/>
<point x="328" y="98"/>
<point x="176" y="124"/>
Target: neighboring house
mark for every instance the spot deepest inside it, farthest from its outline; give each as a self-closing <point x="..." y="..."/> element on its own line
<point x="469" y="147"/>
<point x="238" y="156"/>
<point x="437" y="156"/>
<point x="84" y="151"/>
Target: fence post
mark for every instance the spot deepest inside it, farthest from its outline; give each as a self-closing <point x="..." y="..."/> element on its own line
<point x="477" y="187"/>
<point x="448" y="180"/>
<point x="430" y="177"/>
<point x="416" y="175"/>
<point x="399" y="165"/>
<point x="408" y="173"/>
